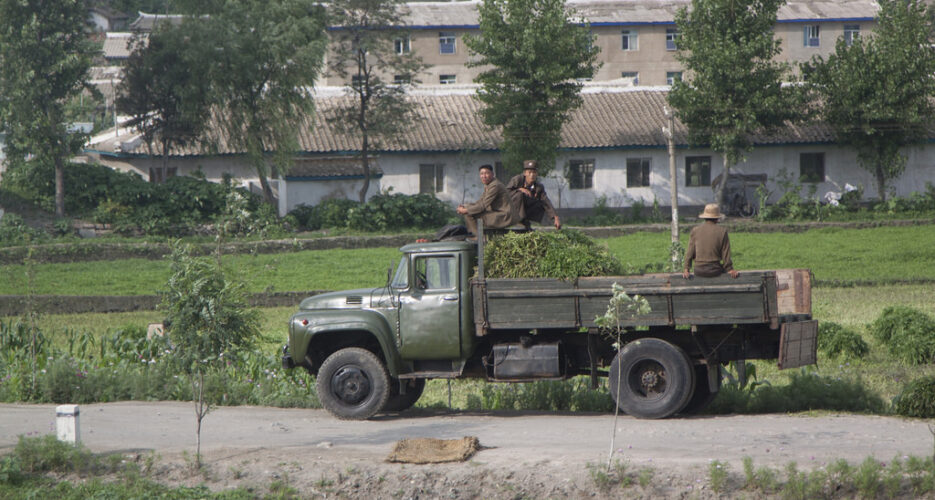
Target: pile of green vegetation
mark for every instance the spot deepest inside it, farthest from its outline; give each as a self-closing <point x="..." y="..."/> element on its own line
<point x="564" y="254"/>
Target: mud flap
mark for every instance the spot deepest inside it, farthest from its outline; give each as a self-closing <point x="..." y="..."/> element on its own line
<point x="798" y="344"/>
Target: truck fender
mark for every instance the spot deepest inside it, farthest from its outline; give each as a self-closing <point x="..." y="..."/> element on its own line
<point x="323" y="323"/>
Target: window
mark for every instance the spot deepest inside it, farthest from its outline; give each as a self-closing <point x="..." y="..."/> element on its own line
<point x="446" y="79"/>
<point x="401" y="80"/>
<point x="672" y="34"/>
<point x="401" y="45"/>
<point x="431" y="178"/>
<point x="633" y="76"/>
<point x="581" y="174"/>
<point x="499" y="172"/>
<point x="697" y="171"/>
<point x="638" y="172"/>
<point x="851" y="33"/>
<point x="672" y="77"/>
<point x="811" y="36"/>
<point x="812" y="167"/>
<point x="628" y="40"/>
<point x="446" y="42"/>
<point x="436" y="273"/>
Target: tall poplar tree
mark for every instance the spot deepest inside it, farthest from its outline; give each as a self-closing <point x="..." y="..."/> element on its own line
<point x="44" y="62"/>
<point x="535" y="55"/>
<point x="876" y="93"/>
<point x="733" y="89"/>
<point x="262" y="58"/>
<point x="370" y="44"/>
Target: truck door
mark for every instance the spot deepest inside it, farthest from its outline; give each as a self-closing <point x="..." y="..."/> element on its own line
<point x="429" y="309"/>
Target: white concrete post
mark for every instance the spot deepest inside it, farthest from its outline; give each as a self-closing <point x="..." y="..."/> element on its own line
<point x="66" y="423"/>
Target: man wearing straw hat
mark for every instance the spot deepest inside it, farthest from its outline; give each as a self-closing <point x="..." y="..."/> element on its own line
<point x="709" y="247"/>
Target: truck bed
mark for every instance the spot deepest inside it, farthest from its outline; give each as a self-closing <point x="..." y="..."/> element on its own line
<point x="545" y="303"/>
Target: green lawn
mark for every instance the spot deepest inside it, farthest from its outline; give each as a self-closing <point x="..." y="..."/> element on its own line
<point x="836" y="256"/>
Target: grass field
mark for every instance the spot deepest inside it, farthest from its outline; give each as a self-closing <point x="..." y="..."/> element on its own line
<point x="836" y="256"/>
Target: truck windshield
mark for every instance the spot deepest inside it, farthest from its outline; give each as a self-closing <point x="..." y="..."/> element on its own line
<point x="401" y="279"/>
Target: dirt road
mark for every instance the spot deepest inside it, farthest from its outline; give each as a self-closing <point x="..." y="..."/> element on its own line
<point x="537" y="453"/>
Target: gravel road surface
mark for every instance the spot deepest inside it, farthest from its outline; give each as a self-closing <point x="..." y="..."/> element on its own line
<point x="309" y="445"/>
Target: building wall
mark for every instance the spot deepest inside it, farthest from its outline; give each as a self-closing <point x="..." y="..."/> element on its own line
<point x="401" y="174"/>
<point x="651" y="59"/>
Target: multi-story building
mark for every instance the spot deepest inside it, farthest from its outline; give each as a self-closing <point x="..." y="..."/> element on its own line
<point x="638" y="38"/>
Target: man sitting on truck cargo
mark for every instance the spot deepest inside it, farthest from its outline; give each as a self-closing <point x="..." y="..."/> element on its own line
<point x="709" y="247"/>
<point x="529" y="199"/>
<point x="493" y="207"/>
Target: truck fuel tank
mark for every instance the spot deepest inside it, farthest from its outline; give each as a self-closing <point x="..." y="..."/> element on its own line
<point x="519" y="362"/>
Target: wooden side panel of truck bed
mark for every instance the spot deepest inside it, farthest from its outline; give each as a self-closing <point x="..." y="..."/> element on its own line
<point x="552" y="303"/>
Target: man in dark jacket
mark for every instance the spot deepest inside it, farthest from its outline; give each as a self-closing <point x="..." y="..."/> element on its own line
<point x="493" y="207"/>
<point x="709" y="247"/>
<point x="529" y="199"/>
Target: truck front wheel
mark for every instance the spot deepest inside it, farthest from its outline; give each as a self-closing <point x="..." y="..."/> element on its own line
<point x="651" y="378"/>
<point x="353" y="384"/>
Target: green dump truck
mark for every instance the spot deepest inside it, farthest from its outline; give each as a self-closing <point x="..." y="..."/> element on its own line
<point x="373" y="349"/>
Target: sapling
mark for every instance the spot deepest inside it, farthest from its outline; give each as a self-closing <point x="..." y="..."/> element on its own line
<point x="621" y="306"/>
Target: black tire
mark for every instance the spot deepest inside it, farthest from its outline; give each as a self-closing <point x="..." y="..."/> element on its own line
<point x="353" y="384"/>
<point x="399" y="402"/>
<point x="656" y="378"/>
<point x="702" y="395"/>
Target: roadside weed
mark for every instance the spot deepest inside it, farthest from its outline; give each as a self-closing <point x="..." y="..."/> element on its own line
<point x="718" y="474"/>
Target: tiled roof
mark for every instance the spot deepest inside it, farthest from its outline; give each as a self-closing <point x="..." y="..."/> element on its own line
<point x="118" y="45"/>
<point x="618" y="118"/>
<point x="436" y="14"/>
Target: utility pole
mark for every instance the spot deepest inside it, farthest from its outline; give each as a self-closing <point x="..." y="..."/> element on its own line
<point x="669" y="131"/>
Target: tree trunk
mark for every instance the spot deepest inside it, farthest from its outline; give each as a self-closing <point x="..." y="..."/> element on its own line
<point x="365" y="163"/>
<point x="59" y="187"/>
<point x="267" y="190"/>
<point x="720" y="196"/>
<point x="165" y="161"/>
<point x="881" y="182"/>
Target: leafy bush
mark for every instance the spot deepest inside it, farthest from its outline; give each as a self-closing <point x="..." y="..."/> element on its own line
<point x="15" y="231"/>
<point x="397" y="211"/>
<point x="908" y="333"/>
<point x="836" y="340"/>
<point x="327" y="214"/>
<point x="564" y="254"/>
<point x="917" y="399"/>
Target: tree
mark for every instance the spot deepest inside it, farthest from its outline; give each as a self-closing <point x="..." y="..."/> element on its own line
<point x="44" y="62"/>
<point x="163" y="89"/>
<point x="734" y="87"/>
<point x="208" y="321"/>
<point x="876" y="93"/>
<point x="535" y="57"/>
<point x="369" y="46"/>
<point x="262" y="58"/>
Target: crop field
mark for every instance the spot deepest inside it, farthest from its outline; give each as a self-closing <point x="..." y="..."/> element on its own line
<point x="858" y="273"/>
<point x="836" y="257"/>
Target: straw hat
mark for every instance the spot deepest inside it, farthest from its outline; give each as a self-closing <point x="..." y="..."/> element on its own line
<point x="711" y="211"/>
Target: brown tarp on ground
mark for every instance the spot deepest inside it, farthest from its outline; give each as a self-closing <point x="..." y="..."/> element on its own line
<point x="433" y="451"/>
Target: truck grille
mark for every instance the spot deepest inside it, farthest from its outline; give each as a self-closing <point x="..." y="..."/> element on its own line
<point x="355" y="299"/>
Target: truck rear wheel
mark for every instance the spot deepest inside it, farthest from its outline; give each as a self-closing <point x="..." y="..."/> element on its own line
<point x="656" y="378"/>
<point x="353" y="384"/>
<point x="400" y="402"/>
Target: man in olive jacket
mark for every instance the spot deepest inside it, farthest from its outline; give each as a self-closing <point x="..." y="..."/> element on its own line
<point x="493" y="207"/>
<point x="529" y="199"/>
<point x="709" y="247"/>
